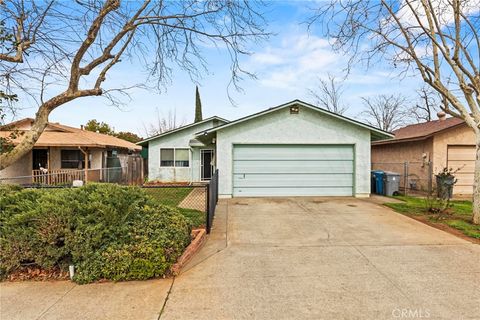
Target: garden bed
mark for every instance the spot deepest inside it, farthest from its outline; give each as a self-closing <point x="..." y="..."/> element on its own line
<point x="106" y="231"/>
<point x="35" y="273"/>
<point x="456" y="220"/>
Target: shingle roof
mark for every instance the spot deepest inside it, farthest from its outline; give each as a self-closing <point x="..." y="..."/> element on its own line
<point x="422" y="131"/>
<point x="61" y="135"/>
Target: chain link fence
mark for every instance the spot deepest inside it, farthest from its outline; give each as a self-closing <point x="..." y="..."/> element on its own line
<point x="192" y="197"/>
<point x="65" y="177"/>
<point x="416" y="178"/>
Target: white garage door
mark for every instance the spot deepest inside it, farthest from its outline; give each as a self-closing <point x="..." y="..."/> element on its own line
<point x="462" y="157"/>
<point x="293" y="170"/>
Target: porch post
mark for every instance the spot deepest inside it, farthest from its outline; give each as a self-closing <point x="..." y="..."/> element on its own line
<point x="85" y="154"/>
<point x="48" y="166"/>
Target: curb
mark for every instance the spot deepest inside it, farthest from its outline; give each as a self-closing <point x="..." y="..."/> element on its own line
<point x="200" y="236"/>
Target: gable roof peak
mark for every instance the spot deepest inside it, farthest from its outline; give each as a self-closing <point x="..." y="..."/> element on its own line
<point x="376" y="133"/>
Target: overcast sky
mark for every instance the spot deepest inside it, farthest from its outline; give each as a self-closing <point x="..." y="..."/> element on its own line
<point x="286" y="65"/>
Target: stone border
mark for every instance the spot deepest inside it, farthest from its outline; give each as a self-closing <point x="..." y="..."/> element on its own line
<point x="199" y="236"/>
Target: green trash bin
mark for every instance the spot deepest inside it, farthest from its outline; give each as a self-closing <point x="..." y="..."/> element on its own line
<point x="445" y="186"/>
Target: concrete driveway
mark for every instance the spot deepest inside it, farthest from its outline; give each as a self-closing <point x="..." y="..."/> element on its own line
<point x="296" y="258"/>
<point x="318" y="258"/>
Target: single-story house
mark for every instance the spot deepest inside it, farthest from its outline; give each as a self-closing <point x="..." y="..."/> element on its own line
<point x="177" y="156"/>
<point x="64" y="153"/>
<point x="446" y="142"/>
<point x="294" y="149"/>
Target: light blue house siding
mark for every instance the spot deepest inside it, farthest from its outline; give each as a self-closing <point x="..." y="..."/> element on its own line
<point x="294" y="149"/>
<point x="322" y="136"/>
<point x="178" y="139"/>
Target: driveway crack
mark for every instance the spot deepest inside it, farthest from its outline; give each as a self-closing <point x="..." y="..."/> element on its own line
<point x="56" y="302"/>
<point x="166" y="299"/>
<point x="393" y="283"/>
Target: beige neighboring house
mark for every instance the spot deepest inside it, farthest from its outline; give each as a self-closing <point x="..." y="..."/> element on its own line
<point x="64" y="153"/>
<point x="446" y="142"/>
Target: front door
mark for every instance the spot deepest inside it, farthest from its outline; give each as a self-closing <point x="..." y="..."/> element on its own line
<point x="40" y="159"/>
<point x="207" y="163"/>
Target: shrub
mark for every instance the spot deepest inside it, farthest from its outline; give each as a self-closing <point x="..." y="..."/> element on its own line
<point x="107" y="231"/>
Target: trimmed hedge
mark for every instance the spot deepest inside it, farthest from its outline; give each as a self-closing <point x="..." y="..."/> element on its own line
<point x="107" y="231"/>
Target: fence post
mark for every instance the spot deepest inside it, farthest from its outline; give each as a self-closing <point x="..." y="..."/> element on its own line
<point x="430" y="178"/>
<point x="216" y="186"/>
<point x="208" y="226"/>
<point x="405" y="177"/>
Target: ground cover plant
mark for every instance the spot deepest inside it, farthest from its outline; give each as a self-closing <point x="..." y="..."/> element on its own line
<point x="106" y="231"/>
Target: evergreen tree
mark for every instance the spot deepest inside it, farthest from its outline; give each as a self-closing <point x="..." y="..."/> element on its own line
<point x="198" y="106"/>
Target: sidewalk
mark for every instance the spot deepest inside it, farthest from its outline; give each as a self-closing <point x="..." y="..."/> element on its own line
<point x="67" y="300"/>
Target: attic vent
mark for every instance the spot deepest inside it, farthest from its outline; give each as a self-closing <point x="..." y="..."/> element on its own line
<point x="294" y="109"/>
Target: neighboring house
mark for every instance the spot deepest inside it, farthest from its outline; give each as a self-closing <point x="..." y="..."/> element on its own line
<point x="62" y="154"/>
<point x="446" y="142"/>
<point x="295" y="149"/>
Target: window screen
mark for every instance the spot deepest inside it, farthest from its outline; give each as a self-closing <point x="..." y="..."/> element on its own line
<point x="166" y="158"/>
<point x="72" y="159"/>
<point x="181" y="158"/>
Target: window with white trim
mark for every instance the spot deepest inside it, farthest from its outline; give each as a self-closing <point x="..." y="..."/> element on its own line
<point x="173" y="157"/>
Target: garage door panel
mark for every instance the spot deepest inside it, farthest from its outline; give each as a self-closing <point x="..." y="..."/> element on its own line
<point x="293" y="180"/>
<point x="266" y="192"/>
<point x="462" y="157"/>
<point x="293" y="170"/>
<point x="468" y="189"/>
<point x="293" y="166"/>
<point x="465" y="166"/>
<point x="292" y="152"/>
<point x="461" y="153"/>
<point x="464" y="179"/>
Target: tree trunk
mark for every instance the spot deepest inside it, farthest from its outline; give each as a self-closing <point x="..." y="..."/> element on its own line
<point x="40" y="123"/>
<point x="28" y="140"/>
<point x="476" y="185"/>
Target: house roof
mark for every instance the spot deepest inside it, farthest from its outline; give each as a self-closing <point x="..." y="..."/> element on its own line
<point x="191" y="125"/>
<point x="422" y="131"/>
<point x="376" y="133"/>
<point x="59" y="135"/>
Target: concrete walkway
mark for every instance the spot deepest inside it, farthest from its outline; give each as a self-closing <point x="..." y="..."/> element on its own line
<point x="307" y="258"/>
<point x="65" y="300"/>
<point x="289" y="258"/>
<point x="196" y="200"/>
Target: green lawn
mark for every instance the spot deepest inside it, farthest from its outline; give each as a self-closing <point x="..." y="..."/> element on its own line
<point x="173" y="197"/>
<point x="168" y="196"/>
<point x="459" y="216"/>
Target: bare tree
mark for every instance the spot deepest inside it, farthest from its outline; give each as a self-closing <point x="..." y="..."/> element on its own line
<point x="436" y="40"/>
<point x="386" y="112"/>
<point x="163" y="123"/>
<point x="328" y="95"/>
<point x="65" y="50"/>
<point x="427" y="106"/>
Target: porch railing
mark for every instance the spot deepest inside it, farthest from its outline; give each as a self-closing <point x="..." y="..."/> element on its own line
<point x="58" y="176"/>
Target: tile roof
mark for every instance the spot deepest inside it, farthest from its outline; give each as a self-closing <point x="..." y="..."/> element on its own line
<point x="61" y="135"/>
<point x="422" y="131"/>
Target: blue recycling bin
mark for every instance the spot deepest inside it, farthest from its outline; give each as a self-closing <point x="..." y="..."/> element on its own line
<point x="378" y="182"/>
